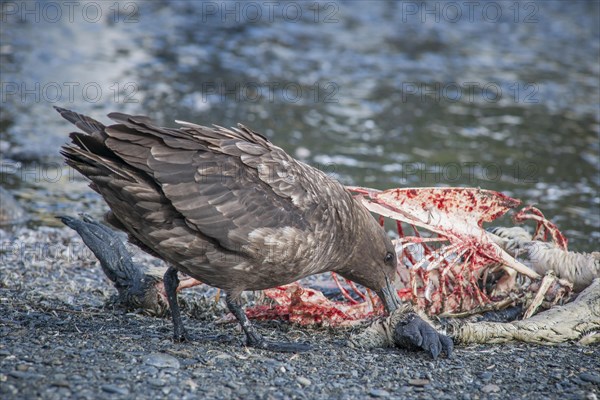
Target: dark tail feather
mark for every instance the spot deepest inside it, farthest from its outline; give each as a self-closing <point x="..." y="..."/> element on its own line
<point x="94" y="138"/>
<point x="83" y="122"/>
<point x="97" y="167"/>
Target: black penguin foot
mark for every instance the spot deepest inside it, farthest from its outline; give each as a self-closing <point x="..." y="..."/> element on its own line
<point x="414" y="332"/>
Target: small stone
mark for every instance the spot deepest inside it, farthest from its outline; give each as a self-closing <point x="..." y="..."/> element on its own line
<point x="61" y="383"/>
<point x="520" y="360"/>
<point x="156" y="382"/>
<point x="232" y="385"/>
<point x="189" y="362"/>
<point x="485" y="376"/>
<point x="220" y="357"/>
<point x="379" y="393"/>
<point x="114" y="389"/>
<point x="576" y="380"/>
<point x="418" y="382"/>
<point x="9" y="389"/>
<point x="25" y="375"/>
<point x="490" y="388"/>
<point x="589" y="377"/>
<point x="303" y="381"/>
<point x="279" y="381"/>
<point x="22" y="367"/>
<point x="161" y="360"/>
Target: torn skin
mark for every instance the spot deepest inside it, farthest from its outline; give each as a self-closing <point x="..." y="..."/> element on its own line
<point x="576" y="321"/>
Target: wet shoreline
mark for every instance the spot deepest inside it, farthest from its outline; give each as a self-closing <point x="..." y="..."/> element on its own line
<point x="379" y="95"/>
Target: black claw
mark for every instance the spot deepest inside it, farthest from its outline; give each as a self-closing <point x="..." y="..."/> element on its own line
<point x="447" y="345"/>
<point x="254" y="338"/>
<point x="433" y="346"/>
<point x="413" y="332"/>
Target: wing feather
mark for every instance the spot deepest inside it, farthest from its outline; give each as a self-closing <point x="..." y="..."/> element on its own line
<point x="227" y="183"/>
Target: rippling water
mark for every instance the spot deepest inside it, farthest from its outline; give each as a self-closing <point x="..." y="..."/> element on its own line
<point x="500" y="95"/>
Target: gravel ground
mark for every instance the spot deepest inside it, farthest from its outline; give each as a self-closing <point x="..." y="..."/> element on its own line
<point x="59" y="339"/>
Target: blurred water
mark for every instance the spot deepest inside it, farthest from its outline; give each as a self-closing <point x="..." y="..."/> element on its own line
<point x="501" y="95"/>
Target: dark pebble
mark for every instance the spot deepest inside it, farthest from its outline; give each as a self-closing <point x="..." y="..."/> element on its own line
<point x="61" y="383"/>
<point x="578" y="381"/>
<point x="590" y="377"/>
<point x="156" y="382"/>
<point x="148" y="370"/>
<point x="418" y="382"/>
<point x="25" y="375"/>
<point x="379" y="393"/>
<point x="490" y="388"/>
<point x="279" y="381"/>
<point x="114" y="389"/>
<point x="189" y="361"/>
<point x="161" y="360"/>
<point x="232" y="385"/>
<point x="485" y="376"/>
